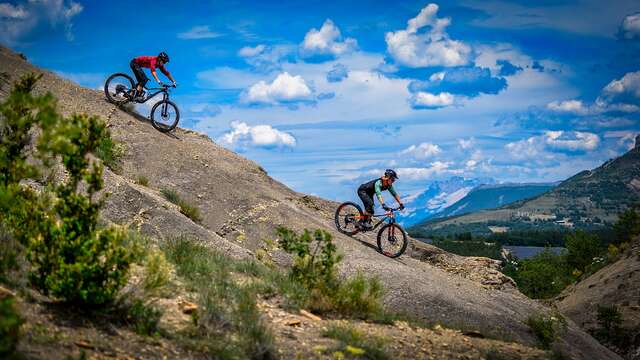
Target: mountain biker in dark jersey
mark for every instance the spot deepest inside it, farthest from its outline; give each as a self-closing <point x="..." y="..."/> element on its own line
<point x="376" y="186"/>
<point x="150" y="62"/>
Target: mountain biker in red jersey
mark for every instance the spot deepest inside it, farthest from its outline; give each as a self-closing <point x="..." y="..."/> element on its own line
<point x="375" y="186"/>
<point x="150" y="62"/>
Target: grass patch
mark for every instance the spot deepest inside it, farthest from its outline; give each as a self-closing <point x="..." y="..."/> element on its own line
<point x="157" y="273"/>
<point x="142" y="180"/>
<point x="228" y="323"/>
<point x="110" y="152"/>
<point x="188" y="210"/>
<point x="546" y="328"/>
<point x="355" y="344"/>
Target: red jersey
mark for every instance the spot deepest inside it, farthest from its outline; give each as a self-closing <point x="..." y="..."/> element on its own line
<point x="150" y="62"/>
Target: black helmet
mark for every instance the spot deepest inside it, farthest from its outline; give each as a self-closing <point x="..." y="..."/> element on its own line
<point x="164" y="57"/>
<point x="391" y="174"/>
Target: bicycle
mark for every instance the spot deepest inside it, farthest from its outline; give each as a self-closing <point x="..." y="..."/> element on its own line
<point x="390" y="236"/>
<point x="120" y="89"/>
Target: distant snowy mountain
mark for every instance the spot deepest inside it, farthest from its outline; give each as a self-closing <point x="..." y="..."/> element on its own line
<point x="437" y="197"/>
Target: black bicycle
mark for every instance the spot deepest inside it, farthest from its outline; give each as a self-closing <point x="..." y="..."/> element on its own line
<point x="120" y="89"/>
<point x="392" y="239"/>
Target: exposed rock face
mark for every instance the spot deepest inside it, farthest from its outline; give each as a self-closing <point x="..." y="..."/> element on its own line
<point x="637" y="142"/>
<point x="614" y="285"/>
<point x="241" y="206"/>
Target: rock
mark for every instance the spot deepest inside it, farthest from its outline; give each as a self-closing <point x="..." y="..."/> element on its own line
<point x="293" y="322"/>
<point x="187" y="307"/>
<point x="6" y="293"/>
<point x="84" y="344"/>
<point x="309" y="315"/>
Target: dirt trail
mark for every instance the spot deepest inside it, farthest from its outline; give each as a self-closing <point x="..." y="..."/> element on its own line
<point x="241" y="206"/>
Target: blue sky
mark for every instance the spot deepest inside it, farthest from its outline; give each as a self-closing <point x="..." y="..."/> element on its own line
<point x="325" y="96"/>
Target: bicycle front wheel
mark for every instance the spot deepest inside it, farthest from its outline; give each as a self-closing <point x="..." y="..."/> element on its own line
<point x="165" y="116"/>
<point x="347" y="216"/>
<point x="392" y="240"/>
<point x="119" y="88"/>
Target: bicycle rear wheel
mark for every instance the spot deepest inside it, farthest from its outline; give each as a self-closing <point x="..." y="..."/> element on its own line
<point x="165" y="116"/>
<point x="347" y="216"/>
<point x="392" y="240"/>
<point x="119" y="88"/>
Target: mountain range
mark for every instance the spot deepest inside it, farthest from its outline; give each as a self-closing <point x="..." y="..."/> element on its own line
<point x="590" y="199"/>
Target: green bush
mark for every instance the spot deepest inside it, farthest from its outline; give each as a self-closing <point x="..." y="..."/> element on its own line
<point x="541" y="276"/>
<point x="143" y="317"/>
<point x="315" y="257"/>
<point x="10" y="323"/>
<point x="359" y="296"/>
<point x="186" y="209"/>
<point x="70" y="257"/>
<point x="314" y="268"/>
<point x="627" y="226"/>
<point x="354" y="343"/>
<point x="547" y="329"/>
<point x="582" y="248"/>
<point x="610" y="331"/>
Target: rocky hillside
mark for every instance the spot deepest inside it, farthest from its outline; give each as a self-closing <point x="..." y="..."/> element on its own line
<point x="241" y="207"/>
<point x="590" y="199"/>
<point x="615" y="285"/>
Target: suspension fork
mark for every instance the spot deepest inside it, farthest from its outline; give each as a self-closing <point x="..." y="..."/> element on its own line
<point x="164" y="104"/>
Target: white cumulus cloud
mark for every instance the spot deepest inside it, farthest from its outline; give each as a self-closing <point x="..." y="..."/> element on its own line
<point x="422" y="173"/>
<point x="628" y="84"/>
<point x="242" y="134"/>
<point x="538" y="147"/>
<point x="569" y="106"/>
<point x="198" y="32"/>
<point x="326" y="41"/>
<point x="249" y="51"/>
<point x="425" y="100"/>
<point x="572" y="141"/>
<point x="422" y="151"/>
<point x="284" y="88"/>
<point x="631" y="26"/>
<point x="433" y="47"/>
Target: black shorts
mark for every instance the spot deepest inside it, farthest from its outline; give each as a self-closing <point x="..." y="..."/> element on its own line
<point x="367" y="200"/>
<point x="141" y="77"/>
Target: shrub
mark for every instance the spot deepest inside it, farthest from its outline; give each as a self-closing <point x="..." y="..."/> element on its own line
<point x="10" y="323"/>
<point x="143" y="317"/>
<point x="582" y="248"/>
<point x="546" y="328"/>
<point x="627" y="226"/>
<point x="353" y="343"/>
<point x="359" y="296"/>
<point x="315" y="260"/>
<point x="186" y="209"/>
<point x="542" y="276"/>
<point x="313" y="270"/>
<point x="71" y="258"/>
<point x="610" y="331"/>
